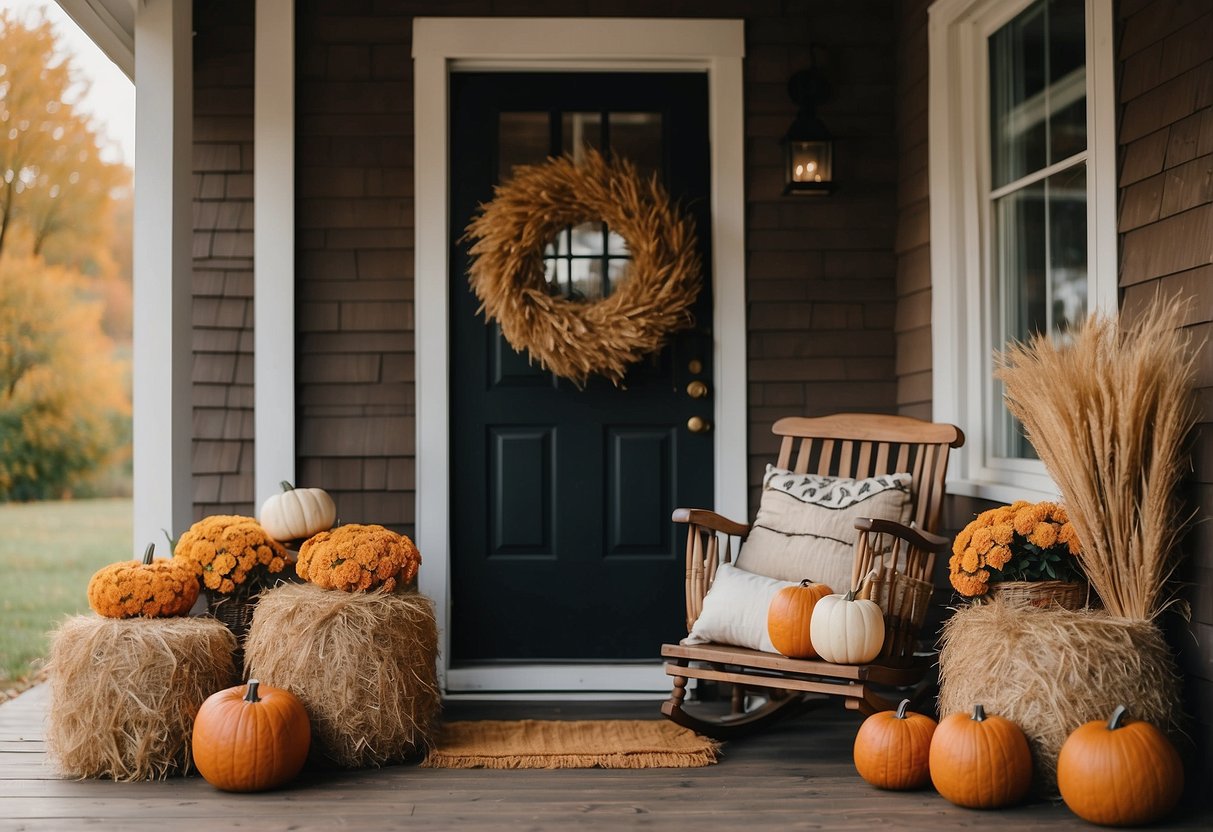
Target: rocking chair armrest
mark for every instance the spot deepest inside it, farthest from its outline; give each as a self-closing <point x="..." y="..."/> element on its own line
<point x="710" y="520"/>
<point x="919" y="538"/>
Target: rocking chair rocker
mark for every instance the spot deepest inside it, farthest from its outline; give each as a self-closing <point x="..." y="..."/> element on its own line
<point x="893" y="566"/>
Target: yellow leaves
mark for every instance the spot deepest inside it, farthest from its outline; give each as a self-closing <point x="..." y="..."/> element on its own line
<point x="62" y="394"/>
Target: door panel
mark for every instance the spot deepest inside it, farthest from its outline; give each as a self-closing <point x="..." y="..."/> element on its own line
<point x="562" y="545"/>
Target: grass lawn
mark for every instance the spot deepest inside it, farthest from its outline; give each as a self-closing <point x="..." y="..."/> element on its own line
<point x="49" y="552"/>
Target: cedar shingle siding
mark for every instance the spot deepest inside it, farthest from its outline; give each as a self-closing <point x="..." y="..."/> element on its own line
<point x="1165" y="52"/>
<point x="223" y="259"/>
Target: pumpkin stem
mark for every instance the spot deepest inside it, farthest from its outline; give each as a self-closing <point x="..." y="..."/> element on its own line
<point x="901" y="709"/>
<point x="251" y="695"/>
<point x="850" y="596"/>
<point x="1118" y="718"/>
<point x="286" y="486"/>
<point x="979" y="713"/>
<point x="148" y="552"/>
<point x="806" y="581"/>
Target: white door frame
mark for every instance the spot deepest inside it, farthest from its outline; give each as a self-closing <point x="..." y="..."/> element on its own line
<point x="715" y="47"/>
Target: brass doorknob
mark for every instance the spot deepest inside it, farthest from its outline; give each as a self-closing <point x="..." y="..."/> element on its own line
<point x="698" y="424"/>
<point x="697" y="389"/>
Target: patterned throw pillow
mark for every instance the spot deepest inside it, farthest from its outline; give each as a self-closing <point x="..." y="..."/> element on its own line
<point x="805" y="526"/>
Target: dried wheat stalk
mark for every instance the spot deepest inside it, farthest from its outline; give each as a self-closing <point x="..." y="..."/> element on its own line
<point x="571" y="339"/>
<point x="1108" y="412"/>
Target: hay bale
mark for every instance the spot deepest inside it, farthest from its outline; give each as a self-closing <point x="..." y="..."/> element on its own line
<point x="363" y="664"/>
<point x="124" y="693"/>
<point x="1051" y="670"/>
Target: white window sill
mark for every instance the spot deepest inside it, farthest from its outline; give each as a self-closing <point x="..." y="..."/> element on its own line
<point x="999" y="492"/>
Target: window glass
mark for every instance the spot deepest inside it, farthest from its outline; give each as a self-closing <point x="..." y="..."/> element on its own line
<point x="1038" y="107"/>
<point x="1038" y="281"/>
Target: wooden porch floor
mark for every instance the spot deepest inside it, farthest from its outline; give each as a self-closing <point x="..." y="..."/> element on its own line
<point x="798" y="777"/>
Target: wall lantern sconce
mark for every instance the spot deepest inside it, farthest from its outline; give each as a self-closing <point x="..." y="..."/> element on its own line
<point x="808" y="145"/>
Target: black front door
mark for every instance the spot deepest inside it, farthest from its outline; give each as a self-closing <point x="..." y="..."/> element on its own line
<point x="562" y="545"/>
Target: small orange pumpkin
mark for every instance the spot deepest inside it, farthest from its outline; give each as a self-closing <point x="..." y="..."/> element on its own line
<point x="252" y="737"/>
<point x="979" y="761"/>
<point x="892" y="749"/>
<point x="789" y="615"/>
<point x="1122" y="772"/>
<point x="150" y="588"/>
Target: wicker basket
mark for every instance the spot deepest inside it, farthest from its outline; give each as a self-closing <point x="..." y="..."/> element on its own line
<point x="235" y="609"/>
<point x="1070" y="595"/>
<point x="904" y="601"/>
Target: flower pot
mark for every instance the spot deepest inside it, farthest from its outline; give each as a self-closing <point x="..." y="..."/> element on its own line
<point x="1070" y="595"/>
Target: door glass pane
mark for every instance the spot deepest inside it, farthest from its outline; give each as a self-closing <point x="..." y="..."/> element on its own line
<point x="523" y="139"/>
<point x="579" y="131"/>
<point x="637" y="136"/>
<point x="586" y="283"/>
<point x="1037" y="89"/>
<point x="587" y="238"/>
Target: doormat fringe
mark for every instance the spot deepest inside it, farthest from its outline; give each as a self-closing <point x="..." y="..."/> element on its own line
<point x="531" y="743"/>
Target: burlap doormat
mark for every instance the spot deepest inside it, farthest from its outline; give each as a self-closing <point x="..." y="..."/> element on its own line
<point x="530" y="743"/>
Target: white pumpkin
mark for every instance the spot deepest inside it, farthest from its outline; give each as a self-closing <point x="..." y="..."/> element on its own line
<point x="845" y="630"/>
<point x="297" y="513"/>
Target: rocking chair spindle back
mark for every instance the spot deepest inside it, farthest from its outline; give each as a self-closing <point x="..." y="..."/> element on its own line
<point x="893" y="566"/>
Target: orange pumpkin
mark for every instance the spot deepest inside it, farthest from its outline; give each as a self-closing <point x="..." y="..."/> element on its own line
<point x="151" y="588"/>
<point x="980" y="761"/>
<point x="892" y="748"/>
<point x="789" y="615"/>
<point x="252" y="737"/>
<point x="1122" y="772"/>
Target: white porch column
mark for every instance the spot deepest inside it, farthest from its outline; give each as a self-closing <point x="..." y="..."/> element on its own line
<point x="163" y="279"/>
<point x="274" y="247"/>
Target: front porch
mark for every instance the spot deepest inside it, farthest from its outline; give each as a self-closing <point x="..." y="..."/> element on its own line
<point x="799" y="777"/>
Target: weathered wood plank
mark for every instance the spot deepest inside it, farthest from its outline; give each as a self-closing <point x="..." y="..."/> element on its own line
<point x="799" y="777"/>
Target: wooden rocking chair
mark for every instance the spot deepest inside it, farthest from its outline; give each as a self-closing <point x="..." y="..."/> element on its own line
<point x="893" y="566"/>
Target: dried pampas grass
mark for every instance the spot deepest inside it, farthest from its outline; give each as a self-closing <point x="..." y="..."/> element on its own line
<point x="572" y="339"/>
<point x="362" y="663"/>
<point x="1108" y="413"/>
<point x="124" y="693"/>
<point x="1052" y="670"/>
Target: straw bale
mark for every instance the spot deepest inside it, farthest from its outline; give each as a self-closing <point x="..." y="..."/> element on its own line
<point x="1051" y="670"/>
<point x="124" y="693"/>
<point x="362" y="663"/>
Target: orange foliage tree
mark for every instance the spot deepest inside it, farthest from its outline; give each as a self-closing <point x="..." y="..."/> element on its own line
<point x="64" y="405"/>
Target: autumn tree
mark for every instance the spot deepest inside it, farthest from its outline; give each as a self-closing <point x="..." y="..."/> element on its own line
<point x="55" y="181"/>
<point x="64" y="405"/>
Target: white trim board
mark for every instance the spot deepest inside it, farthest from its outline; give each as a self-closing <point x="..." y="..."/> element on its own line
<point x="162" y="389"/>
<point x="715" y="47"/>
<point x="273" y="248"/>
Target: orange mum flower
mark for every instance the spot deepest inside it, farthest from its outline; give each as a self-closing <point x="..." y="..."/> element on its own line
<point x="357" y="558"/>
<point x="1022" y="541"/>
<point x="225" y="551"/>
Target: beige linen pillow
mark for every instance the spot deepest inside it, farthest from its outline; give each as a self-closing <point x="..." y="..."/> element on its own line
<point x="735" y="610"/>
<point x="805" y="526"/>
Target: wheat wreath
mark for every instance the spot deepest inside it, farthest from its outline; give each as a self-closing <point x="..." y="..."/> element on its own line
<point x="572" y="339"/>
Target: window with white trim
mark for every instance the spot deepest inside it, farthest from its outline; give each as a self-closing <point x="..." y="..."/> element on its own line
<point x="1023" y="192"/>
